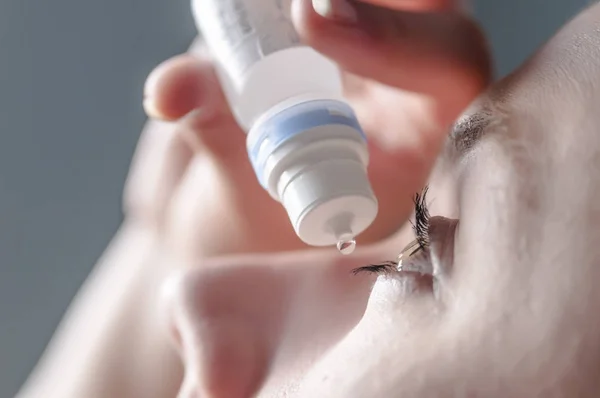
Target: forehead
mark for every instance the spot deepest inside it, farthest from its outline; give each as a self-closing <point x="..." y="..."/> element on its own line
<point x="568" y="64"/>
<point x="558" y="86"/>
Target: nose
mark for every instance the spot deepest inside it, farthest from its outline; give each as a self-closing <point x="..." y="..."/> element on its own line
<point x="239" y="324"/>
<point x="226" y="323"/>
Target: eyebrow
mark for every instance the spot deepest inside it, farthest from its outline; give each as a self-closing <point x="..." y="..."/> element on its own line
<point x="469" y="130"/>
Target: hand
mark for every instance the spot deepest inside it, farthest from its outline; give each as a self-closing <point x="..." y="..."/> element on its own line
<point x="407" y="75"/>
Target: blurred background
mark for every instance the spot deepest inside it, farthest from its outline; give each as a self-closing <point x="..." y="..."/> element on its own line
<point x="71" y="79"/>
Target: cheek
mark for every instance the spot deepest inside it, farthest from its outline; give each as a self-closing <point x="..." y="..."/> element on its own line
<point x="524" y="224"/>
<point x="526" y="267"/>
<point x="383" y="350"/>
<point x="493" y="216"/>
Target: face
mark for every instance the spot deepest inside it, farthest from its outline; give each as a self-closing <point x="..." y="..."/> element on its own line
<point x="512" y="240"/>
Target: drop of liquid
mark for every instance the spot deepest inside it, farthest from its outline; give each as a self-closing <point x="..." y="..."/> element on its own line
<point x="346" y="246"/>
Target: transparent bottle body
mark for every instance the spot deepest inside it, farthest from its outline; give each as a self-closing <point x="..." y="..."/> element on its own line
<point x="304" y="141"/>
<point x="260" y="60"/>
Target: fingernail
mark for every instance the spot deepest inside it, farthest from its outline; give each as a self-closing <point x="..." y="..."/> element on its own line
<point x="150" y="89"/>
<point x="149" y="92"/>
<point x="340" y="10"/>
<point x="151" y="109"/>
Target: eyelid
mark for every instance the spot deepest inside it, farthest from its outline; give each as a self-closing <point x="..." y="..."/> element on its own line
<point x="442" y="233"/>
<point x="438" y="257"/>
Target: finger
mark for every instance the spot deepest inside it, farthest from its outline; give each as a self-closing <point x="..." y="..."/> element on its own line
<point x="440" y="55"/>
<point x="180" y="84"/>
<point x="405" y="5"/>
<point x="186" y="89"/>
<point x="162" y="155"/>
<point x="176" y="87"/>
<point x="159" y="164"/>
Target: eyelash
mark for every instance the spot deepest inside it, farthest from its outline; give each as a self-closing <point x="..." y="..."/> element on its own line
<point x="421" y="225"/>
<point x="420" y="228"/>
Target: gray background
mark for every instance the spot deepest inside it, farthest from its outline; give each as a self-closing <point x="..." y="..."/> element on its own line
<point x="71" y="77"/>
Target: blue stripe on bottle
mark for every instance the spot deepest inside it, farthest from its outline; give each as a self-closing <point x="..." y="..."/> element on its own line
<point x="294" y="120"/>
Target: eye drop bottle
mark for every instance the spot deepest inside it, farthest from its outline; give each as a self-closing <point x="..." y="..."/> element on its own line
<point x="304" y="141"/>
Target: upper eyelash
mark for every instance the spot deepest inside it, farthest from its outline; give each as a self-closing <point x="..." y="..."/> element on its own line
<point x="420" y="228"/>
<point x="421" y="224"/>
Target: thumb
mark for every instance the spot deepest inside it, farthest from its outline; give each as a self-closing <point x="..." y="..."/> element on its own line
<point x="441" y="55"/>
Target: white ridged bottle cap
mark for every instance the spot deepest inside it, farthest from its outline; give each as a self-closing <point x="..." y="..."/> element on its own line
<point x="312" y="157"/>
<point x="330" y="201"/>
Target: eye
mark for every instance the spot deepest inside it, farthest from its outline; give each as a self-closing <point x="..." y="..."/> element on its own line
<point x="422" y="254"/>
<point x="415" y="258"/>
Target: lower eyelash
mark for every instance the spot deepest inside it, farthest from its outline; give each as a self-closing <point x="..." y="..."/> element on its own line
<point x="421" y="230"/>
<point x="381" y="269"/>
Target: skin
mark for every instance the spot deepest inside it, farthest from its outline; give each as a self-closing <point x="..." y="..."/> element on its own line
<point x="256" y="314"/>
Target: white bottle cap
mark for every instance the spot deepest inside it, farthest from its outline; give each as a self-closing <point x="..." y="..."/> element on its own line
<point x="312" y="157"/>
<point x="329" y="202"/>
